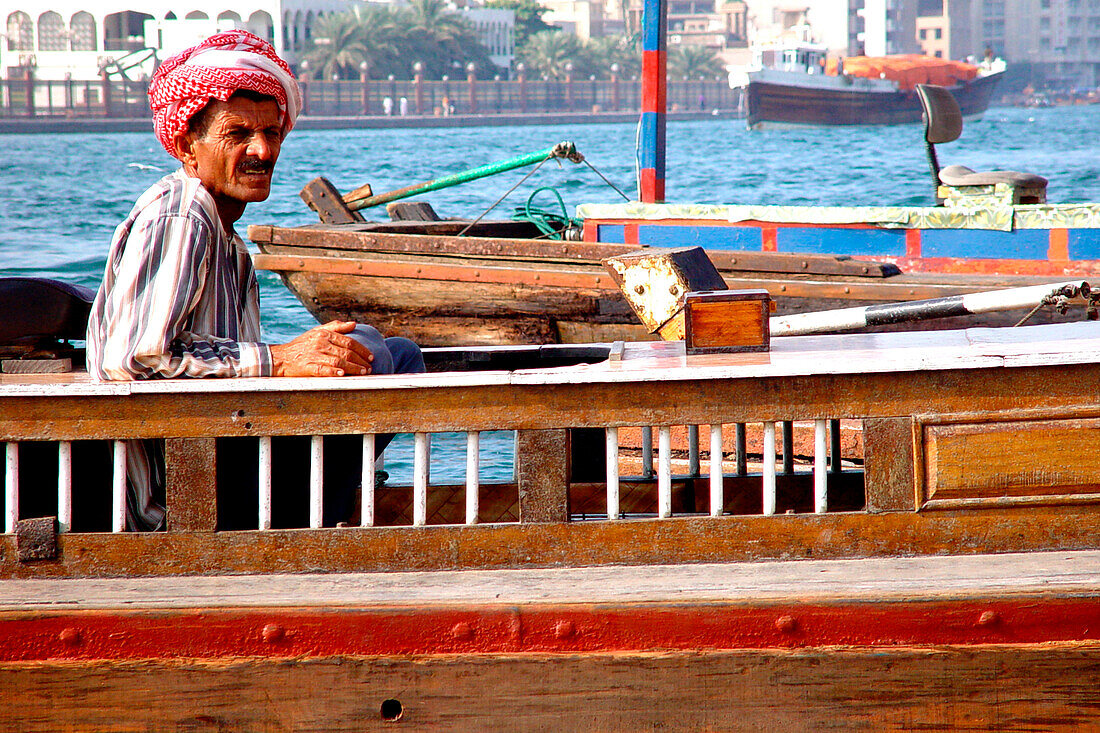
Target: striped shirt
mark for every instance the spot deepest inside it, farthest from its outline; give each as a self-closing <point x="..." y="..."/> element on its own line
<point x="179" y="298"/>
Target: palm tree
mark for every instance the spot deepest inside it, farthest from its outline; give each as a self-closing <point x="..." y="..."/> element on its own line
<point x="547" y="53"/>
<point x="621" y="50"/>
<point x="338" y="46"/>
<point x="690" y="62"/>
<point x="440" y="39"/>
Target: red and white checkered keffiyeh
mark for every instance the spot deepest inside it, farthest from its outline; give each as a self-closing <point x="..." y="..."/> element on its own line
<point x="214" y="69"/>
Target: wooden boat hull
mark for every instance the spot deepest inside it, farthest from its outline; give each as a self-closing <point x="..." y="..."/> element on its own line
<point x="777" y="104"/>
<point x="442" y="290"/>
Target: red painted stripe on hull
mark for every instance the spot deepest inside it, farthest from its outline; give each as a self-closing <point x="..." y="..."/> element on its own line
<point x="1059" y="245"/>
<point x="573" y="628"/>
<point x="769" y="239"/>
<point x="912" y="242"/>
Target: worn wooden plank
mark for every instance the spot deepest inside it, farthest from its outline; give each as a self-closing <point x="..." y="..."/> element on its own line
<point x="191" y="489"/>
<point x="566" y="400"/>
<point x="983" y="464"/>
<point x="639" y="541"/>
<point x="890" y="465"/>
<point x="542" y="472"/>
<point x="434" y="240"/>
<point x="368" y="291"/>
<point x="868" y="581"/>
<point x="992" y="688"/>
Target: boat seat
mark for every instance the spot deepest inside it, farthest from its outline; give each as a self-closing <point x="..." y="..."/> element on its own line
<point x="957" y="185"/>
<point x="35" y="310"/>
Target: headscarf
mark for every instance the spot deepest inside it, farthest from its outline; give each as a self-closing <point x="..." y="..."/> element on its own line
<point x="214" y="69"/>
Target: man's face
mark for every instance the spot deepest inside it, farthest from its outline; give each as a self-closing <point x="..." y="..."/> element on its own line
<point x="236" y="156"/>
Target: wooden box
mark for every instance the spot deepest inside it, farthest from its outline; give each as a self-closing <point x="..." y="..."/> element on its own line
<point x="654" y="282"/>
<point x="727" y="321"/>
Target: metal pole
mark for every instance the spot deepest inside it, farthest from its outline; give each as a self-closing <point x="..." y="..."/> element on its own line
<point x="561" y="150"/>
<point x="920" y="310"/>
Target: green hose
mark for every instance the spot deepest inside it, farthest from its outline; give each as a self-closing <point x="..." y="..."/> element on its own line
<point x="551" y="224"/>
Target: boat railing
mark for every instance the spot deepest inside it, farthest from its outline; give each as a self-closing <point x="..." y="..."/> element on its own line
<point x="940" y="418"/>
<point x="672" y="486"/>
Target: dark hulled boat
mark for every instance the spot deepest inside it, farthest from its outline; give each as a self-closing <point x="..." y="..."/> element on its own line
<point x="797" y="85"/>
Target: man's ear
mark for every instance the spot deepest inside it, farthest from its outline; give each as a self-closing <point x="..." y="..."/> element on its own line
<point x="184" y="144"/>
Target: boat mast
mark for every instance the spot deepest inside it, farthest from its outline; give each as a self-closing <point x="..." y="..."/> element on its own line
<point x="651" y="143"/>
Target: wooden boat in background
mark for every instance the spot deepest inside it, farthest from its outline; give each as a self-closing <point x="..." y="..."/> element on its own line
<point x="796" y="84"/>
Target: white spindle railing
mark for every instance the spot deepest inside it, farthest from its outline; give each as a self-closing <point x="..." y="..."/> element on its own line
<point x="769" y="468"/>
<point x="316" y="481"/>
<point x="826" y="461"/>
<point x="366" y="483"/>
<point x="473" y="466"/>
<point x="664" y="471"/>
<point x="118" y="490"/>
<point x="265" y="483"/>
<point x="717" y="494"/>
<point x="612" y="452"/>
<point x="64" y="486"/>
<point x="821" y="497"/>
<point x="421" y="468"/>
<point x="11" y="486"/>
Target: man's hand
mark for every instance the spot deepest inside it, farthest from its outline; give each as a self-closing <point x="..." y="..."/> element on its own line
<point x="322" y="352"/>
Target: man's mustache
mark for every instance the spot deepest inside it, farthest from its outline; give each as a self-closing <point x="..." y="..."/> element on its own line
<point x="255" y="165"/>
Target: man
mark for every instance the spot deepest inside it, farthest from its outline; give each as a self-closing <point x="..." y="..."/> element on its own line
<point x="179" y="296"/>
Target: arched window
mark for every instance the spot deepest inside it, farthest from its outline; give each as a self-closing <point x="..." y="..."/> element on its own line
<point x="124" y="31"/>
<point x="229" y="15"/>
<point x="170" y="16"/>
<point x="51" y="32"/>
<point x="20" y="32"/>
<point x="262" y="25"/>
<point x="197" y="15"/>
<point x="82" y="32"/>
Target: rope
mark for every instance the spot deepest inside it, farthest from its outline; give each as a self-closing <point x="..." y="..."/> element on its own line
<point x="550" y="224"/>
<point x="539" y="217"/>
<point x="609" y="183"/>
<point x="506" y="193"/>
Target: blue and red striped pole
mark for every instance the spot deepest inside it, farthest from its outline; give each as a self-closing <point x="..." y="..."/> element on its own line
<point x="651" y="152"/>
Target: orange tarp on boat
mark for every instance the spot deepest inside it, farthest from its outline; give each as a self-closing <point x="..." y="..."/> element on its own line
<point x="907" y="70"/>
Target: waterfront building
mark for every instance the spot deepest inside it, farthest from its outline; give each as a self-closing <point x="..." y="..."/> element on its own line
<point x="496" y="29"/>
<point x="1045" y="42"/>
<point x="889" y="26"/>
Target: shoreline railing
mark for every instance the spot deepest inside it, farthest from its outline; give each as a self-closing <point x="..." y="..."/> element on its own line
<point x="114" y="98"/>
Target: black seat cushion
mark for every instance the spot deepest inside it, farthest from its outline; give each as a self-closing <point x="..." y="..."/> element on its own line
<point x="960" y="175"/>
<point x="35" y="308"/>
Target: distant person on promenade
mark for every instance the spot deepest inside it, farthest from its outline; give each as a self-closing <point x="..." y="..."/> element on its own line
<point x="387" y="106"/>
<point x="403" y="106"/>
<point x="179" y="296"/>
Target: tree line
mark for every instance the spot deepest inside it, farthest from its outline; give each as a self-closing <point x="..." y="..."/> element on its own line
<point x="388" y="41"/>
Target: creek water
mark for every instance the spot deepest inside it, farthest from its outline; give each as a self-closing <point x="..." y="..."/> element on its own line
<point x="61" y="195"/>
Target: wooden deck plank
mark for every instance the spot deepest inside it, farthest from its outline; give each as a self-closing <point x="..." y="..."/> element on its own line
<point x="1037" y="688"/>
<point x="1065" y="573"/>
<point x="1056" y="344"/>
